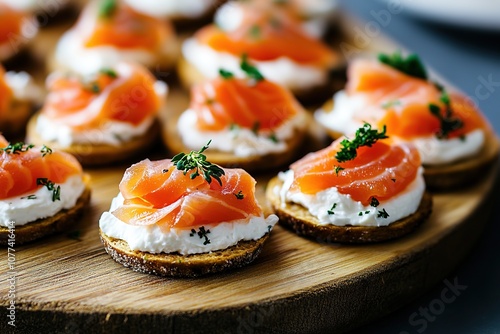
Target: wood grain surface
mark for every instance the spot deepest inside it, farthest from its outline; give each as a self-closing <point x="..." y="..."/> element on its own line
<point x="68" y="284"/>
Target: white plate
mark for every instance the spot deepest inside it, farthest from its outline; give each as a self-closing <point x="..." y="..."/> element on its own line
<point x="484" y="14"/>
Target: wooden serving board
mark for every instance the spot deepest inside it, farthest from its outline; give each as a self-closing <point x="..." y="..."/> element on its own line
<point x="67" y="283"/>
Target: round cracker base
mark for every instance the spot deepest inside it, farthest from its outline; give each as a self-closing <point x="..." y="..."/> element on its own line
<point x="61" y="221"/>
<point x="99" y="154"/>
<point x="298" y="218"/>
<point x="177" y="265"/>
<point x="465" y="172"/>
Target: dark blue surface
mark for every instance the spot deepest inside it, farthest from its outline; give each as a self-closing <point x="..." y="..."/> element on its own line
<point x="467" y="59"/>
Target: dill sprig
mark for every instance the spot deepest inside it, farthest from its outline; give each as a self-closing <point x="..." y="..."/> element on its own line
<point x="17" y="148"/>
<point x="45" y="150"/>
<point x="411" y="65"/>
<point x="365" y="136"/>
<point x="51" y="186"/>
<point x="197" y="161"/>
<point x="108" y="8"/>
<point x="251" y="71"/>
<point x="449" y="123"/>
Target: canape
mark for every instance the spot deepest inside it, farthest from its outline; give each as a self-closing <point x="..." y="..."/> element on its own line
<point x="184" y="217"/>
<point x="274" y="41"/>
<point x="456" y="143"/>
<point x="42" y="191"/>
<point x="359" y="190"/>
<point x="108" y="31"/>
<point x="102" y="118"/>
<point x="252" y="123"/>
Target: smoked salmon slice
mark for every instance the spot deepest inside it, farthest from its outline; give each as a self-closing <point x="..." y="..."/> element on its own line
<point x="156" y="192"/>
<point x="406" y="101"/>
<point x="224" y="102"/>
<point x="125" y="93"/>
<point x="382" y="170"/>
<point x="11" y="24"/>
<point x="267" y="32"/>
<point x="22" y="166"/>
<point x="118" y="25"/>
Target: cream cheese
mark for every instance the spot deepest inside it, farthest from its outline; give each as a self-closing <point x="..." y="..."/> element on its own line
<point x="173" y="8"/>
<point x="22" y="210"/>
<point x="23" y="86"/>
<point x="110" y="132"/>
<point x="72" y="54"/>
<point x="350" y="112"/>
<point x="151" y="239"/>
<point x="283" y="71"/>
<point x="241" y="142"/>
<point x="434" y="151"/>
<point x="350" y="212"/>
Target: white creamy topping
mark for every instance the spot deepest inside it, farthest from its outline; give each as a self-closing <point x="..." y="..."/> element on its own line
<point x="110" y="132"/>
<point x="230" y="16"/>
<point x="173" y="8"/>
<point x="345" y="117"/>
<point x="151" y="239"/>
<point x="241" y="142"/>
<point x="434" y="151"/>
<point x="40" y="205"/>
<point x="346" y="211"/>
<point x="283" y="71"/>
<point x="23" y="86"/>
<point x="71" y="53"/>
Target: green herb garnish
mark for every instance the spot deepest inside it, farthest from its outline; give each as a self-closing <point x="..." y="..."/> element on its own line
<point x="273" y="138"/>
<point x="202" y="233"/>
<point x="382" y="214"/>
<point x="56" y="191"/>
<point x="365" y="136"/>
<point x="29" y="197"/>
<point x="449" y="123"/>
<point x="45" y="150"/>
<point x="411" y="65"/>
<point x="239" y="195"/>
<point x="108" y="8"/>
<point x="390" y="104"/>
<point x="251" y="71"/>
<point x="337" y="169"/>
<point x="360" y="213"/>
<point x="197" y="161"/>
<point x="374" y="202"/>
<point x="330" y="212"/>
<point x="109" y="72"/>
<point x="255" y="31"/>
<point x="226" y="74"/>
<point x="17" y="148"/>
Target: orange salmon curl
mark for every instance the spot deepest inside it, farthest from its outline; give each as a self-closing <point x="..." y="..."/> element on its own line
<point x="124" y="93"/>
<point x="268" y="31"/>
<point x="22" y="165"/>
<point x="156" y="192"/>
<point x="223" y="102"/>
<point x="113" y="23"/>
